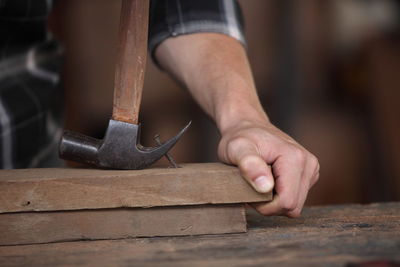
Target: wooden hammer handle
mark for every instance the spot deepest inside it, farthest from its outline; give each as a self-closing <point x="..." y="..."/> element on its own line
<point x="131" y="60"/>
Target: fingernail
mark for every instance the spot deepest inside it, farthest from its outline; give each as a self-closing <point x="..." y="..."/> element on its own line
<point x="263" y="184"/>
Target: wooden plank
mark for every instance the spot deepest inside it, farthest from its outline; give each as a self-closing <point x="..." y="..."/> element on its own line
<point x="73" y="189"/>
<point x="58" y="226"/>
<point x="327" y="235"/>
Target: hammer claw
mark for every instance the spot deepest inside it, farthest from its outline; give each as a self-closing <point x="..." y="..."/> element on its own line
<point x="120" y="148"/>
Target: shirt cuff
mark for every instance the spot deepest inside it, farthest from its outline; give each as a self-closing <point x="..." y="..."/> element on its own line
<point x="189" y="16"/>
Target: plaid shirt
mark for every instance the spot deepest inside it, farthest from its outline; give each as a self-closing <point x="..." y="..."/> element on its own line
<point x="30" y="93"/>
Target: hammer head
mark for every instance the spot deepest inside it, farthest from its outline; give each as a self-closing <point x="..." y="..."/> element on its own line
<point x="120" y="148"/>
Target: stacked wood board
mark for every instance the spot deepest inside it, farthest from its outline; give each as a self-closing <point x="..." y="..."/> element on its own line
<point x="53" y="205"/>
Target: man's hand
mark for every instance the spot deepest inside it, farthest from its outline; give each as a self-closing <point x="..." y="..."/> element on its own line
<point x="267" y="156"/>
<point x="215" y="69"/>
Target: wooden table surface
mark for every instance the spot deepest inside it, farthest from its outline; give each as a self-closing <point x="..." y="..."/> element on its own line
<point x="327" y="235"/>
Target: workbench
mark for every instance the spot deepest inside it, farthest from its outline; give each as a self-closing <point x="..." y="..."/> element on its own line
<point x="324" y="235"/>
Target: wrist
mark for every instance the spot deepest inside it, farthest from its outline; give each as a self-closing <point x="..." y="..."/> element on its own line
<point x="237" y="115"/>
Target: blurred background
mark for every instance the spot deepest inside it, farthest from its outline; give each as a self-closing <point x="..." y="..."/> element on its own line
<point x="327" y="72"/>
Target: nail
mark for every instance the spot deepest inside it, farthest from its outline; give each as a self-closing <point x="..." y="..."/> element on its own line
<point x="263" y="184"/>
<point x="167" y="155"/>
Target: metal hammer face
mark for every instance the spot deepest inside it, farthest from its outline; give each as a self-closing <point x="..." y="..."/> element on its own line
<point x="120" y="148"/>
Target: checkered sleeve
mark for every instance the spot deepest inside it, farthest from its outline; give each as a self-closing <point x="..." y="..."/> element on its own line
<point x="170" y="18"/>
<point x="30" y="95"/>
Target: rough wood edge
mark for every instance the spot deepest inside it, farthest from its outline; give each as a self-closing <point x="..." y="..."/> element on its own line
<point x="62" y="226"/>
<point x="76" y="189"/>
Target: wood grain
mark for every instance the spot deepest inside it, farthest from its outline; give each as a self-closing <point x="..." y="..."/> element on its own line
<point x="131" y="60"/>
<point x="326" y="235"/>
<point x="45" y="227"/>
<point x="74" y="189"/>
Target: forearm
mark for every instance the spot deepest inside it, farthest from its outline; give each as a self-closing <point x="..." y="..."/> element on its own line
<point x="215" y="69"/>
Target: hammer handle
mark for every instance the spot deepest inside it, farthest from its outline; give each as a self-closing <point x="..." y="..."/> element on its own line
<point x="131" y="60"/>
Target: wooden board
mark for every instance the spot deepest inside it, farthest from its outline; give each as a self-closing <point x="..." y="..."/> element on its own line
<point x="73" y="189"/>
<point x="45" y="227"/>
<point x="328" y="236"/>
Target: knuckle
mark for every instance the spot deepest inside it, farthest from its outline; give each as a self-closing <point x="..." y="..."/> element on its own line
<point x="248" y="161"/>
<point x="318" y="167"/>
<point x="248" y="165"/>
<point x="294" y="213"/>
<point x="236" y="144"/>
<point x="315" y="178"/>
<point x="298" y="156"/>
<point x="314" y="162"/>
<point x="289" y="205"/>
<point x="314" y="167"/>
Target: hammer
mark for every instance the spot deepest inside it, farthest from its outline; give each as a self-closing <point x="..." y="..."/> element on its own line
<point x="120" y="148"/>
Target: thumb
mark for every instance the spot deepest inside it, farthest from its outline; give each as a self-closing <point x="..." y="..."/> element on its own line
<point x="244" y="153"/>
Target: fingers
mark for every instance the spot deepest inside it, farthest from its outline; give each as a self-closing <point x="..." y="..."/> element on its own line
<point x="257" y="173"/>
<point x="294" y="170"/>
<point x="271" y="208"/>
<point x="310" y="177"/>
<point x="288" y="170"/>
<point x="295" y="173"/>
<point x="253" y="168"/>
